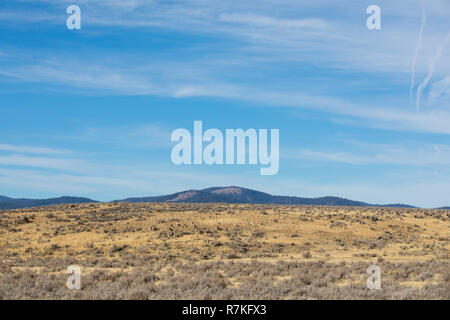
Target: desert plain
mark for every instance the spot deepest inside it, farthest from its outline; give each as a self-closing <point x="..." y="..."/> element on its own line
<point x="223" y="251"/>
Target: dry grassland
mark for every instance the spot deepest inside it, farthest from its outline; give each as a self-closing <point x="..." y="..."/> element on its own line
<point x="223" y="251"/>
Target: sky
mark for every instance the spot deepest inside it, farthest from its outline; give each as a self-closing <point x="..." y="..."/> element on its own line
<point x="362" y="114"/>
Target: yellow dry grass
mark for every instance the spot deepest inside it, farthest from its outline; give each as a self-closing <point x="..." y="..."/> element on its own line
<point x="202" y="233"/>
<point x="219" y="231"/>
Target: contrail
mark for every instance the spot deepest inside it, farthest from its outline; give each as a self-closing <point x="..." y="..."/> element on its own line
<point x="416" y="52"/>
<point x="439" y="88"/>
<point x="436" y="57"/>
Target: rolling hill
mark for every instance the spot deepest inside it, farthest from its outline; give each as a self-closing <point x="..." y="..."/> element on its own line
<point x="9" y="203"/>
<point x="242" y="195"/>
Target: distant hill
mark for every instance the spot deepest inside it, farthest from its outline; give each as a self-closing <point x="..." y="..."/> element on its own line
<point x="394" y="205"/>
<point x="210" y="195"/>
<point x="242" y="195"/>
<point x="9" y="203"/>
<point x="444" y="208"/>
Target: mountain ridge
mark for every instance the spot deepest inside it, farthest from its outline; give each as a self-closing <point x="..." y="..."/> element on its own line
<point x="20" y="203"/>
<point x="234" y="194"/>
<point x="230" y="194"/>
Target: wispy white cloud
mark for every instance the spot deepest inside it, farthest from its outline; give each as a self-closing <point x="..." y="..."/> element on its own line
<point x="378" y="116"/>
<point x="431" y="69"/>
<point x="46" y="162"/>
<point x="164" y="81"/>
<point x="427" y="155"/>
<point x="61" y="160"/>
<point x="438" y="89"/>
<point x="31" y="16"/>
<point x="32" y="149"/>
<point x="416" y="52"/>
<point x="262" y="33"/>
<point x="66" y="183"/>
<point x="275" y="26"/>
<point x="87" y="76"/>
<point x="267" y="21"/>
<point x="151" y="135"/>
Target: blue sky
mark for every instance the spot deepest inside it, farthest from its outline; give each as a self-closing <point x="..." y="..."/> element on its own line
<point x="89" y="112"/>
